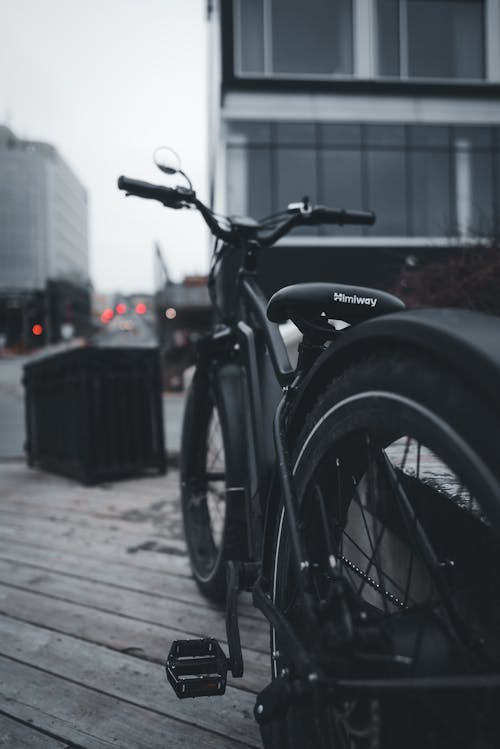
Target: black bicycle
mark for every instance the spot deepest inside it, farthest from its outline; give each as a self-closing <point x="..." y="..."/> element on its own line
<point x="356" y="495"/>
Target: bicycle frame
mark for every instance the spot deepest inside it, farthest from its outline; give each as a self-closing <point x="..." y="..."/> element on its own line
<point x="269" y="384"/>
<point x="265" y="370"/>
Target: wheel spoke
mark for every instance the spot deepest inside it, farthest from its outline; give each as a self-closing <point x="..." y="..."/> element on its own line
<point x="405" y="453"/>
<point x="372" y="500"/>
<point x="456" y="627"/>
<point x="331" y="552"/>
<point x="409" y="517"/>
<point x="410" y="563"/>
<point x="380" y="577"/>
<point x="215" y="457"/>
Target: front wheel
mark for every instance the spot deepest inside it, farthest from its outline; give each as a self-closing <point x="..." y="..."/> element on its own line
<point x="212" y="479"/>
<point x="397" y="474"/>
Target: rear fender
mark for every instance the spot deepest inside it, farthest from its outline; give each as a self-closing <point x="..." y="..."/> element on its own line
<point x="466" y="343"/>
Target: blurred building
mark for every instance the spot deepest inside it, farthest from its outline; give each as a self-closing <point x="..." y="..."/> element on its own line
<point x="44" y="264"/>
<point x="386" y="105"/>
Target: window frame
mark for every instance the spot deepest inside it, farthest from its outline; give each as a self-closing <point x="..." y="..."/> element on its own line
<point x="268" y="73"/>
<point x="403" y="48"/>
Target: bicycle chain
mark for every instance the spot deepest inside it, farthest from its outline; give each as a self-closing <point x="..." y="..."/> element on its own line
<point x="373" y="583"/>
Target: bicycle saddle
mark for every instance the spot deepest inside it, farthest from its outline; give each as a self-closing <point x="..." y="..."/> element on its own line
<point x="311" y="305"/>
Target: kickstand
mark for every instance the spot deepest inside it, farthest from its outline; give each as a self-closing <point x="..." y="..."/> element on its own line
<point x="233" y="570"/>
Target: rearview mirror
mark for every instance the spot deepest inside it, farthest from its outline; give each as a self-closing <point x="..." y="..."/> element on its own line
<point x="167" y="160"/>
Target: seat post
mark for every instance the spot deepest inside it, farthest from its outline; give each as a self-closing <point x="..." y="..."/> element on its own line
<point x="309" y="351"/>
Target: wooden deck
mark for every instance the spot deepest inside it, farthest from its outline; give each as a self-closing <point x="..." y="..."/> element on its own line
<point x="94" y="586"/>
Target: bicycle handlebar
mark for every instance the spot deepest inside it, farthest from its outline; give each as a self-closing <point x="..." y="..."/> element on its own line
<point x="317" y="216"/>
<point x="225" y="234"/>
<point x="180" y="197"/>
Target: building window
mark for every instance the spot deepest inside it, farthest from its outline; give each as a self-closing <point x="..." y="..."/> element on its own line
<point x="430" y="38"/>
<point x="421" y="180"/>
<point x="293" y="38"/>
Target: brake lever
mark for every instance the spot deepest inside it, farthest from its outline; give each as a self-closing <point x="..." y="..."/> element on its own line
<point x="304" y="207"/>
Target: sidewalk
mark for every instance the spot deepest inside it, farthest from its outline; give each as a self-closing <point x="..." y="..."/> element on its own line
<point x="94" y="586"/>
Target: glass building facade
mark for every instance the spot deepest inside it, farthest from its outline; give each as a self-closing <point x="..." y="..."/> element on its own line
<point x="384" y="105"/>
<point x="421" y="180"/>
<point x="43" y="216"/>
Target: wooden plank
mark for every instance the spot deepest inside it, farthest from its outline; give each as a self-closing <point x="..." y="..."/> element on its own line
<point x="93" y="536"/>
<point x="18" y="478"/>
<point x="136" y="681"/>
<point x="153" y="501"/>
<point x="87" y="566"/>
<point x="37" y="490"/>
<point x="15" y="735"/>
<point x="152" y="505"/>
<point x="148" y="641"/>
<point x="158" y="583"/>
<point x="186" y="617"/>
<point x="119" y="532"/>
<point x="92" y="719"/>
<point x="85" y="545"/>
<point x="112" y="501"/>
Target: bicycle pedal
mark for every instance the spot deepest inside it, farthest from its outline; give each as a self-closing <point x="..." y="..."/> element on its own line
<point x="197" y="668"/>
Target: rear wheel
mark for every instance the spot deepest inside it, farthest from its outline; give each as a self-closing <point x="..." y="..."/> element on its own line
<point x="397" y="478"/>
<point x="212" y="488"/>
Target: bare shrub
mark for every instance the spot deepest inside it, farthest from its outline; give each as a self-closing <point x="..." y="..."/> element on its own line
<point x="470" y="280"/>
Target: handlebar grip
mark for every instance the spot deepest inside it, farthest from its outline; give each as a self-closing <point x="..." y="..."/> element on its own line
<point x="361" y="218"/>
<point x="131" y="185"/>
<point x="340" y="217"/>
<point x="167" y="195"/>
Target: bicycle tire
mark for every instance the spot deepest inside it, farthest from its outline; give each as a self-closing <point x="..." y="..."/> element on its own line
<point x="212" y="487"/>
<point x="378" y="402"/>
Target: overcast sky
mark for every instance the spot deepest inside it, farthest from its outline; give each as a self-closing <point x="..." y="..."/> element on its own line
<point x="106" y="82"/>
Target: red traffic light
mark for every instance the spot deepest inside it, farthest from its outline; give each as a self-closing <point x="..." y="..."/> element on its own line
<point x="37" y="329"/>
<point x="140" y="308"/>
<point x="107" y="315"/>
